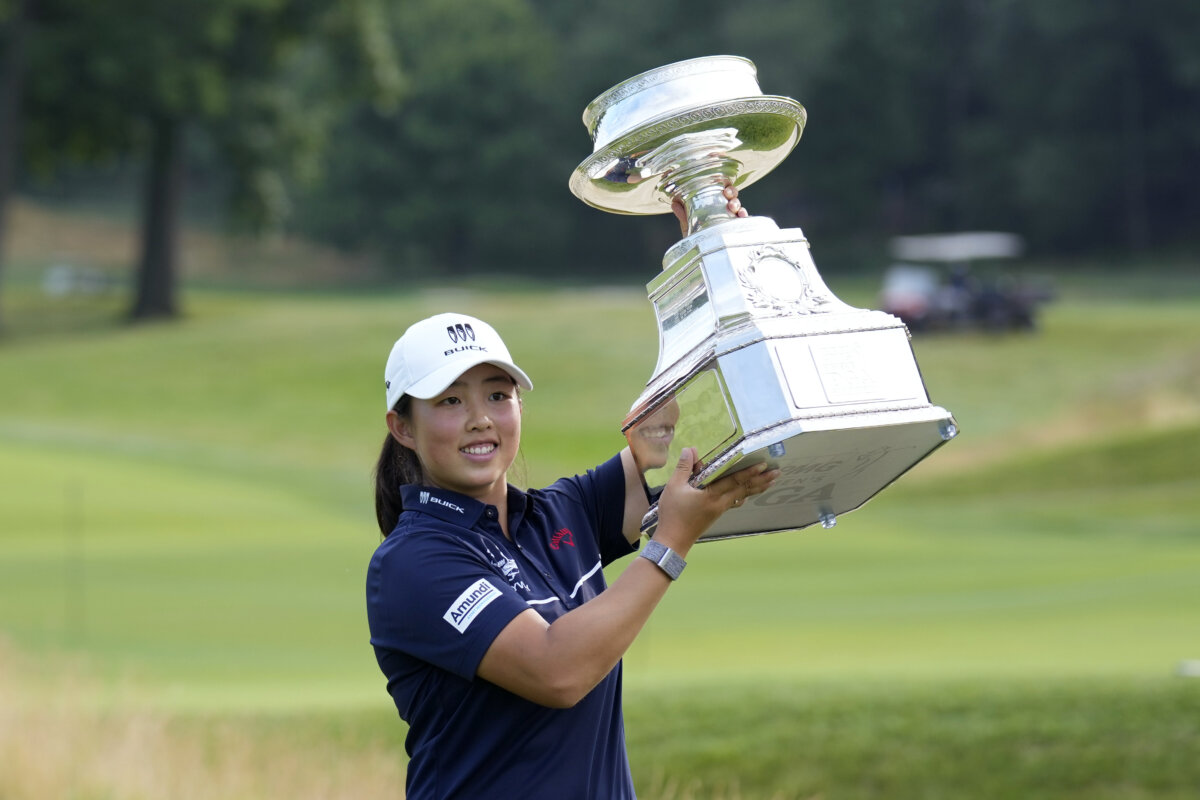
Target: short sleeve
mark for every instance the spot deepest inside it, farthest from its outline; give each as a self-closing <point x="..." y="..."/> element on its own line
<point x="436" y="598"/>
<point x="601" y="494"/>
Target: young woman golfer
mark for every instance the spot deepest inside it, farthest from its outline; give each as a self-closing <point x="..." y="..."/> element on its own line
<point x="488" y="607"/>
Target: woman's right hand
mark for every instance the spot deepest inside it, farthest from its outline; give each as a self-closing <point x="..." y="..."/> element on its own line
<point x="685" y="512"/>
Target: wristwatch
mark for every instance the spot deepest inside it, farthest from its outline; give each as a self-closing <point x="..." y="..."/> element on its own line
<point x="666" y="558"/>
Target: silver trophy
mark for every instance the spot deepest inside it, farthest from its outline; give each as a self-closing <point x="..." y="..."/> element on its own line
<point x="757" y="360"/>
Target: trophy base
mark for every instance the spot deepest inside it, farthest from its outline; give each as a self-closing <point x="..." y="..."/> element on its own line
<point x="759" y="362"/>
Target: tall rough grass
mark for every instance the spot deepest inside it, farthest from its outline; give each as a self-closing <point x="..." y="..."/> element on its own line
<point x="53" y="744"/>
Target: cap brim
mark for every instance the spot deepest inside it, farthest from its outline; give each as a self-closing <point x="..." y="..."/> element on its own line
<point x="437" y="381"/>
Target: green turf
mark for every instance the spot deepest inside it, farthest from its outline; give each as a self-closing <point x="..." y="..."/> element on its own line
<point x="190" y="504"/>
<point x="984" y="741"/>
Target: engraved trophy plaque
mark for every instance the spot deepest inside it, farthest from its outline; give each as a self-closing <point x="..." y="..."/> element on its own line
<point x="757" y="360"/>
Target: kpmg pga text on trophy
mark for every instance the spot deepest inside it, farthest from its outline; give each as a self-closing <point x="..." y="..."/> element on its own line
<point x="758" y="360"/>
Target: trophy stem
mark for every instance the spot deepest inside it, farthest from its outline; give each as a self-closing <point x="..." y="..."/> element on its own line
<point x="706" y="206"/>
<point x="695" y="168"/>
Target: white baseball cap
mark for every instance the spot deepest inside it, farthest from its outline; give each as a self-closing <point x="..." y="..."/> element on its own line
<point x="432" y="354"/>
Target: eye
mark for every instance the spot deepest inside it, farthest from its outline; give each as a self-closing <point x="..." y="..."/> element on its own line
<point x="500" y="396"/>
<point x="450" y="400"/>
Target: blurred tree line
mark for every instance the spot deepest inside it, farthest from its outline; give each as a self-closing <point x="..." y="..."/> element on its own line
<point x="1075" y="123"/>
<point x="440" y="134"/>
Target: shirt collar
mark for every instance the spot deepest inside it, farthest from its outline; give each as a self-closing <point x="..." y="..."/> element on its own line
<point x="458" y="508"/>
<point x="519" y="504"/>
<point x="443" y="504"/>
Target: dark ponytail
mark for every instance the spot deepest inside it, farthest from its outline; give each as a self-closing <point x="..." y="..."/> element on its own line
<point x="397" y="466"/>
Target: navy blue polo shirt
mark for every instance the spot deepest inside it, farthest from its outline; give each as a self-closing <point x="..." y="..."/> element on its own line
<point x="441" y="587"/>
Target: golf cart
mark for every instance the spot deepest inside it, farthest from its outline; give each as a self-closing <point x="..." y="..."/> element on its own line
<point x="933" y="284"/>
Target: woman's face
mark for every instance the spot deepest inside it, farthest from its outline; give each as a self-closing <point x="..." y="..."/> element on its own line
<point x="467" y="437"/>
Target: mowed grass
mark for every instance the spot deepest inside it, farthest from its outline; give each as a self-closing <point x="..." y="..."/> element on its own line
<point x="194" y="502"/>
<point x="186" y="517"/>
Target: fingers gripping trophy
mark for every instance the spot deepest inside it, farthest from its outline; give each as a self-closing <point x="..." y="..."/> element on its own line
<point x="757" y="360"/>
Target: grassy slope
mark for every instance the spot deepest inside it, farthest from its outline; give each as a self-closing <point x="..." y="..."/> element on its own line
<point x="189" y="475"/>
<point x="187" y="509"/>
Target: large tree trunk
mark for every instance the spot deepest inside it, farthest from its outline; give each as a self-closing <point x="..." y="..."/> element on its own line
<point x="12" y="81"/>
<point x="157" y="269"/>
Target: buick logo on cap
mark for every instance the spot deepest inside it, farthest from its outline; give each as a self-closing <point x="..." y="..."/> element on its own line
<point x="461" y="332"/>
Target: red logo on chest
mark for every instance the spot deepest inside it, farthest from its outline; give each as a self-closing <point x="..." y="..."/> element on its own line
<point x="561" y="536"/>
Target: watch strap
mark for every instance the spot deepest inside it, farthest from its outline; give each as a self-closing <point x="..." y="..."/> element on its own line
<point x="667" y="559"/>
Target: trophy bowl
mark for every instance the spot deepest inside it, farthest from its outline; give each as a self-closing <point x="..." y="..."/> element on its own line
<point x="728" y="128"/>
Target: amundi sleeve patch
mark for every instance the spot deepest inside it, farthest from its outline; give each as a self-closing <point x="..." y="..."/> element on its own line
<point x="466" y="608"/>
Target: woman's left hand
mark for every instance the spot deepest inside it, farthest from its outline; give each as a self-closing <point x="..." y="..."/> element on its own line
<point x="685" y="511"/>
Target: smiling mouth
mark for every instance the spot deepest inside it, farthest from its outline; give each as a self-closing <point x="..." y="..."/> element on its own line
<point x="658" y="432"/>
<point x="479" y="449"/>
